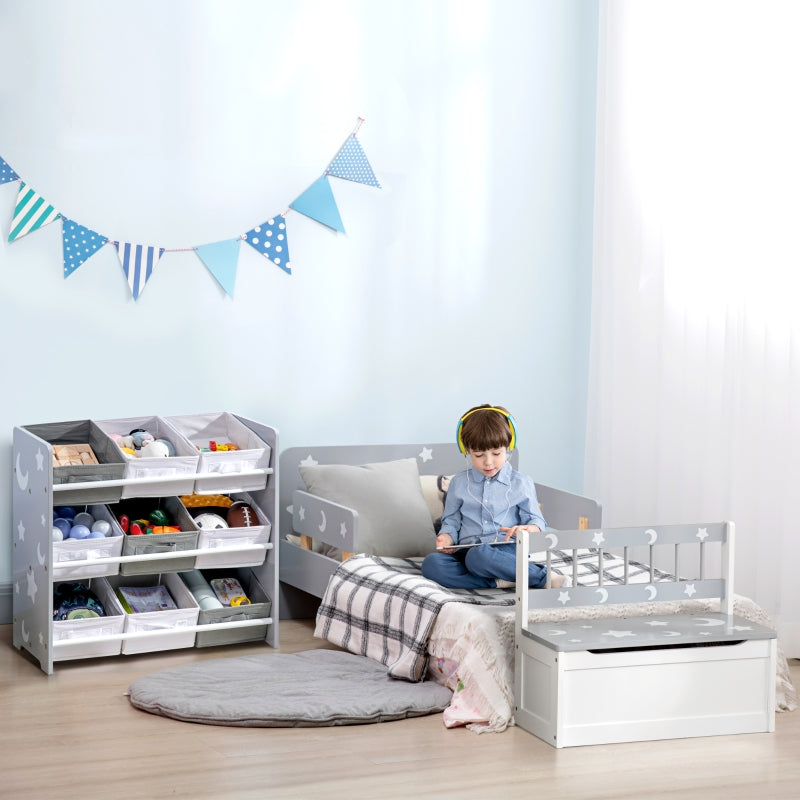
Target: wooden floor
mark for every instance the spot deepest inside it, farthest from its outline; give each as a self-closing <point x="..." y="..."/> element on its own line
<point x="74" y="735"/>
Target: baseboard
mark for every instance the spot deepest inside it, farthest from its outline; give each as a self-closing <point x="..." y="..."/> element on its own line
<point x="6" y="611"/>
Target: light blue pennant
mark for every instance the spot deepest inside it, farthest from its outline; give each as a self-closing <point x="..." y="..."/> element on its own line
<point x="221" y="258"/>
<point x="319" y="203"/>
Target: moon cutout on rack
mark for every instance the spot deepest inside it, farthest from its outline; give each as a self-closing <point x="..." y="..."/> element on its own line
<point x="324" y="524"/>
<point x="652" y="592"/>
<point x="25" y="637"/>
<point x="671" y="633"/>
<point x="556" y="633"/>
<point x="39" y="554"/>
<point x="552" y="538"/>
<point x="22" y="480"/>
<point x="707" y="622"/>
<point x="603" y="594"/>
<point x="651" y="536"/>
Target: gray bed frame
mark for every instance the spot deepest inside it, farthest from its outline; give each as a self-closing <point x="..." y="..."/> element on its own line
<point x="304" y="574"/>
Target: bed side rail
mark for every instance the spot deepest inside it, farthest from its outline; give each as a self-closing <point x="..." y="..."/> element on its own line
<point x="314" y="517"/>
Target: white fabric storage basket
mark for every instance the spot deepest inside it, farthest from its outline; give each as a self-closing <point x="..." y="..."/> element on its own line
<point x="225" y="467"/>
<point x="214" y="540"/>
<point x="170" y="620"/>
<point x="71" y="550"/>
<point x="73" y="630"/>
<point x="184" y="462"/>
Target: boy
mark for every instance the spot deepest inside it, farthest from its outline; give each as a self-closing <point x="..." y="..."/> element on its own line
<point x="488" y="502"/>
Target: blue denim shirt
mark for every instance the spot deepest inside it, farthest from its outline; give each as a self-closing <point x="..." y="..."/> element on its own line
<point x="476" y="506"/>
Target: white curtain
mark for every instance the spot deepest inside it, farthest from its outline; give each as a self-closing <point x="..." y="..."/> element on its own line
<point x="694" y="409"/>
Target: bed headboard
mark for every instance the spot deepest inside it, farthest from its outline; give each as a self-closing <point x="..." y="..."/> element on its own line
<point x="561" y="509"/>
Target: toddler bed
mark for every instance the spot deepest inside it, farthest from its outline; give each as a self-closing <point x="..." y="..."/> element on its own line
<point x="380" y="502"/>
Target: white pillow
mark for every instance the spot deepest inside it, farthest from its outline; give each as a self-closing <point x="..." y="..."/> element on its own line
<point x="393" y="517"/>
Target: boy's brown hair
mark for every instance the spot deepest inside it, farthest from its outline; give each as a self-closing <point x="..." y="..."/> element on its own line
<point x="485" y="427"/>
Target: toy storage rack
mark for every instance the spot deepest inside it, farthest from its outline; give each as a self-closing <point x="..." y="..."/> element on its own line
<point x="34" y="495"/>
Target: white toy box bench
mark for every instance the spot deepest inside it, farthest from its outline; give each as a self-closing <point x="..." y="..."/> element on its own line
<point x="602" y="679"/>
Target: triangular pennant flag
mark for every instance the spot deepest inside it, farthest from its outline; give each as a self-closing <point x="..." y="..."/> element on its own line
<point x="6" y="173"/>
<point x="79" y="244"/>
<point x="351" y="163"/>
<point x="270" y="240"/>
<point x="138" y="263"/>
<point x="318" y="203"/>
<point x="32" y="211"/>
<point x="221" y="259"/>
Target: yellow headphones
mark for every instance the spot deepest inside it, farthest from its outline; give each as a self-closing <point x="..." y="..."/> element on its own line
<point x="511" y="445"/>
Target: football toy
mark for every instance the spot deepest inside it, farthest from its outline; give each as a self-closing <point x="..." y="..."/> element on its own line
<point x="241" y="515"/>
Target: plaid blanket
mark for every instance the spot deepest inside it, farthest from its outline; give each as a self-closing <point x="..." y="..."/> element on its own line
<point x="383" y="608"/>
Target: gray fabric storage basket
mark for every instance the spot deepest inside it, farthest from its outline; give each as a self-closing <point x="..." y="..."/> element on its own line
<point x="111" y="466"/>
<point x="260" y="606"/>
<point x="160" y="542"/>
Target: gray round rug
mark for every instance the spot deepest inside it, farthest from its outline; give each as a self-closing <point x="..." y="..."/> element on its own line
<point x="274" y="690"/>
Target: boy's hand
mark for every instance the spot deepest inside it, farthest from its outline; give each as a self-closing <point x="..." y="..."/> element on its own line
<point x="443" y="542"/>
<point x="511" y="533"/>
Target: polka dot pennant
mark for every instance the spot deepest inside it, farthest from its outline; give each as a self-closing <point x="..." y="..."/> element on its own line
<point x="6" y="173"/>
<point x="351" y="163"/>
<point x="269" y="238"/>
<point x="79" y="244"/>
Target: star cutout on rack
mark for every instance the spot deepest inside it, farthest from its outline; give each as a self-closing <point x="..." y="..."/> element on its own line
<point x="39" y="461"/>
<point x="655" y="622"/>
<point x="32" y="587"/>
<point x="21" y="531"/>
<point x="598" y="538"/>
<point x="743" y="627"/>
<point x="44" y="520"/>
<point x="426" y="454"/>
<point x="301" y="512"/>
<point x="563" y="598"/>
<point x="343" y="530"/>
<point x="702" y="534"/>
<point x="309" y="461"/>
<point x="619" y="634"/>
<point x="690" y="591"/>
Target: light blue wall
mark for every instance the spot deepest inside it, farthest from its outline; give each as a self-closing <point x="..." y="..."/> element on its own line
<point x="465" y="279"/>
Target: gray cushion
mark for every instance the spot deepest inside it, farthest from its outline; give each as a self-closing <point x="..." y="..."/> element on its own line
<point x="393" y="517"/>
<point x="273" y="690"/>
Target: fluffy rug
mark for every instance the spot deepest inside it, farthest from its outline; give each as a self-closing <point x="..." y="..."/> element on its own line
<point x="273" y="690"/>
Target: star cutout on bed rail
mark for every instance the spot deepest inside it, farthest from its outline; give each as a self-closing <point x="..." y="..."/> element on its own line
<point x="426" y="454"/>
<point x="598" y="538"/>
<point x="702" y="534"/>
<point x="689" y="591"/>
<point x="563" y="598"/>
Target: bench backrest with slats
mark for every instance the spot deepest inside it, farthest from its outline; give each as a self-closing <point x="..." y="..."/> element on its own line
<point x="685" y="542"/>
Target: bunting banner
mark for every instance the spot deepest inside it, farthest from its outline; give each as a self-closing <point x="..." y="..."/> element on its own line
<point x="221" y="259"/>
<point x="6" y="173"/>
<point x="318" y="203"/>
<point x="138" y="263"/>
<point x="31" y="212"/>
<point x="270" y="238"/>
<point x="78" y="244"/>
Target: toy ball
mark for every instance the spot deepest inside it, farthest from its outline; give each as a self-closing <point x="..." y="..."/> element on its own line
<point x="154" y="450"/>
<point x="58" y="534"/>
<point x="84" y="518"/>
<point x="103" y="527"/>
<point x="67" y="512"/>
<point x="210" y="522"/>
<point x="63" y="525"/>
<point x="168" y="445"/>
<point x="96" y="535"/>
<point x="241" y="515"/>
<point x="79" y="532"/>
